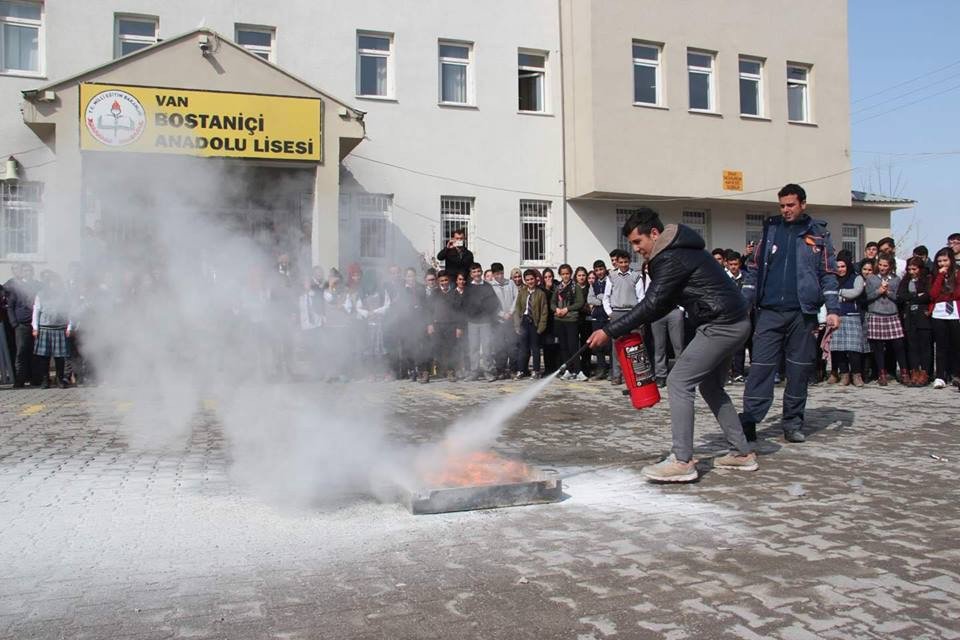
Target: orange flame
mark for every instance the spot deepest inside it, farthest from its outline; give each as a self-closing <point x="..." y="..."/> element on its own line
<point x="479" y="468"/>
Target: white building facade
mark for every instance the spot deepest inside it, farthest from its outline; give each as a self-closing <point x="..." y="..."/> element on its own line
<point x="535" y="125"/>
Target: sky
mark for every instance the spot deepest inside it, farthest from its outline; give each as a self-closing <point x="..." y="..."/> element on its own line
<point x="902" y="53"/>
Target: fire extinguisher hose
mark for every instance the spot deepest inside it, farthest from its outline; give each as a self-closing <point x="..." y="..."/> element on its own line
<point x="566" y="364"/>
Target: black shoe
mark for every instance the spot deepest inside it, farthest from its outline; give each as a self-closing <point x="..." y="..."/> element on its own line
<point x="63" y="383"/>
<point x="661" y="382"/>
<point x="750" y="431"/>
<point x="45" y="384"/>
<point x="794" y="436"/>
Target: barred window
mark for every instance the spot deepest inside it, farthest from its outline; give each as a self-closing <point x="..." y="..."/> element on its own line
<point x="20" y="218"/>
<point x="534" y="217"/>
<point x="853" y="239"/>
<point x="622" y="242"/>
<point x="373" y="210"/>
<point x="455" y="214"/>
<point x="373" y="237"/>
<point x="754" y="227"/>
<point x="699" y="221"/>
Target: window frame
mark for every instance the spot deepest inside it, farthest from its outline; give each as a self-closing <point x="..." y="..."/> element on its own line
<point x="806" y="85"/>
<point x="40" y="25"/>
<point x="710" y="73"/>
<point x="469" y="97"/>
<point x="119" y="38"/>
<point x="521" y="68"/>
<point x="753" y="222"/>
<point x="451" y="218"/>
<point x="855" y="238"/>
<point x="657" y="66"/>
<point x="388" y="55"/>
<point x="256" y="49"/>
<point x="696" y="226"/>
<point x="757" y="78"/>
<point x="32" y="206"/>
<point x="623" y="213"/>
<point x="534" y="217"/>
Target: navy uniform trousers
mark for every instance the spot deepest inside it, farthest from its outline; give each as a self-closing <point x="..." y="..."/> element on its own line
<point x="780" y="333"/>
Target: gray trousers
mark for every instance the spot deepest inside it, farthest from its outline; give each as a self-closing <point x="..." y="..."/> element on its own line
<point x="671" y="323"/>
<point x="480" y="341"/>
<point x="705" y="364"/>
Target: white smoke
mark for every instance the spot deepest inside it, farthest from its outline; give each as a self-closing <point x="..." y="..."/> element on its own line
<point x="185" y="324"/>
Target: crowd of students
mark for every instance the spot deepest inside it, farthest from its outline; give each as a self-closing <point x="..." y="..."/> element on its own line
<point x="899" y="321"/>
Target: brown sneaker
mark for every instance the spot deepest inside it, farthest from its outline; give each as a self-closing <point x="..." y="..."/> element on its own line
<point x="737" y="461"/>
<point x="882" y="378"/>
<point x="905" y="378"/>
<point x="845" y="380"/>
<point x="833" y="379"/>
<point x="857" y="380"/>
<point x="671" y="470"/>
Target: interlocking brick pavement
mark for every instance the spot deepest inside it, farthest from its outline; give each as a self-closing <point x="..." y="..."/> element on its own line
<point x="850" y="535"/>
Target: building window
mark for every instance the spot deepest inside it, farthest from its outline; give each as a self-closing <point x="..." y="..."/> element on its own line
<point x="754" y="227"/>
<point x="133" y="33"/>
<point x="531" y="80"/>
<point x="700" y="74"/>
<point x="372" y="210"/>
<point x="373" y="237"/>
<point x="375" y="64"/>
<point x="534" y="217"/>
<point x="20" y="218"/>
<point x="798" y="93"/>
<point x="456" y="77"/>
<point x="751" y="87"/>
<point x="699" y="221"/>
<point x="853" y="239"/>
<point x="622" y="242"/>
<point x="454" y="215"/>
<point x="646" y="73"/>
<point x="20" y="35"/>
<point x="257" y="40"/>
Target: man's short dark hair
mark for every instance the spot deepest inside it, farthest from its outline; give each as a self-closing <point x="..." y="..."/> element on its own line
<point x="476" y="265"/>
<point x="496" y="267"/>
<point x="793" y="190"/>
<point x="531" y="272"/>
<point x="442" y="274"/>
<point x="730" y="255"/>
<point x="616" y="254"/>
<point x="887" y="240"/>
<point x="564" y="266"/>
<point x="459" y="232"/>
<point x="921" y="250"/>
<point x="871" y="244"/>
<point x="643" y="221"/>
<point x="430" y="272"/>
<point x="719" y="252"/>
<point x="953" y="237"/>
<point x="599" y="263"/>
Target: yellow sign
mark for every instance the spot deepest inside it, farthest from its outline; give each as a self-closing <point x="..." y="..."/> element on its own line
<point x="733" y="180"/>
<point x="199" y="123"/>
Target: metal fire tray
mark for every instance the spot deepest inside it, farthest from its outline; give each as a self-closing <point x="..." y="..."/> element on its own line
<point x="543" y="487"/>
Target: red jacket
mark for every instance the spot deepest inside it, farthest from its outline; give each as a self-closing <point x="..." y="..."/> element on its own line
<point x="937" y="294"/>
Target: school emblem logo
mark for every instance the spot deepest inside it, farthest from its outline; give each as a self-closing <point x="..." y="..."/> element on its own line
<point x="115" y="118"/>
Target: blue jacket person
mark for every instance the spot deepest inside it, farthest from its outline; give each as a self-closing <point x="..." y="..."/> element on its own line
<point x="791" y="275"/>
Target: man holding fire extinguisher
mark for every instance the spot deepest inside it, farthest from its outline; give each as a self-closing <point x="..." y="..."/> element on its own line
<point x="683" y="273"/>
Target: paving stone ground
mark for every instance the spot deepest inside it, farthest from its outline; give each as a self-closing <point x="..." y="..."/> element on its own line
<point x="850" y="535"/>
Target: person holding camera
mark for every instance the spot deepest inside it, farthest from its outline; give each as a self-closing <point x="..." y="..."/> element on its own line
<point x="456" y="257"/>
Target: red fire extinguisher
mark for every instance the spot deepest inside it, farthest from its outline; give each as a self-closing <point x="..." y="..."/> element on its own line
<point x="637" y="371"/>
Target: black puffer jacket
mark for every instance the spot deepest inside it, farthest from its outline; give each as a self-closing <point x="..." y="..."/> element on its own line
<point x="683" y="273"/>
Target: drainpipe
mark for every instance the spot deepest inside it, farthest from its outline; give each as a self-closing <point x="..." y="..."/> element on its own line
<point x="563" y="134"/>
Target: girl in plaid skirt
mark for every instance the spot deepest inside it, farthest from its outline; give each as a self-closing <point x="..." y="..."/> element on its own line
<point x="883" y="320"/>
<point x="846" y="344"/>
<point x="51" y="310"/>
